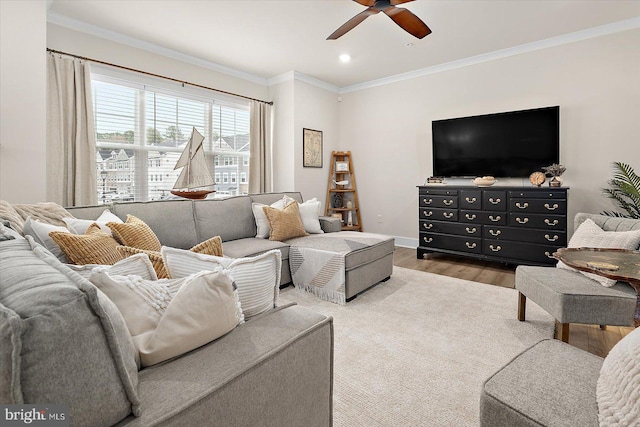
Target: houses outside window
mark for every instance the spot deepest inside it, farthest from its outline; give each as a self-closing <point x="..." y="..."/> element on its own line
<point x="234" y="179"/>
<point x="142" y="129"/>
<point x="243" y="177"/>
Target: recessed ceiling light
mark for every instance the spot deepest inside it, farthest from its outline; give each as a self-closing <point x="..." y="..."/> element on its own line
<point x="345" y="57"/>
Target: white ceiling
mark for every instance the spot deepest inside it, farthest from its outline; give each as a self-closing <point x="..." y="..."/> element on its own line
<point x="268" y="38"/>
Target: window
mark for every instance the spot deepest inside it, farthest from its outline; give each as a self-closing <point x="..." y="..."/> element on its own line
<point x="243" y="177"/>
<point x="142" y="130"/>
<point x="233" y="178"/>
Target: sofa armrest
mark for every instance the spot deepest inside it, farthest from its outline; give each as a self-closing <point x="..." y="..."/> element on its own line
<point x="330" y="224"/>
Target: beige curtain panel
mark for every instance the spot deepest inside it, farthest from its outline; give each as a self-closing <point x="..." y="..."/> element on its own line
<point x="260" y="160"/>
<point x="71" y="145"/>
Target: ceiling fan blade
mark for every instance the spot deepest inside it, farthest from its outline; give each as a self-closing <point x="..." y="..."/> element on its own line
<point x="397" y="2"/>
<point x="351" y="23"/>
<point x="408" y="21"/>
<point x="369" y="3"/>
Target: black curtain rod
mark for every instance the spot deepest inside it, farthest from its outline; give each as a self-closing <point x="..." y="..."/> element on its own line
<point x="157" y="75"/>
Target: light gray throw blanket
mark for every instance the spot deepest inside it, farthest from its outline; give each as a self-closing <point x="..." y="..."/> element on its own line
<point x="318" y="261"/>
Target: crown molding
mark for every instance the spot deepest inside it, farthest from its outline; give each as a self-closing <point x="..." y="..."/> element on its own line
<point x="616" y="27"/>
<point x="83" y="27"/>
<point x="301" y="77"/>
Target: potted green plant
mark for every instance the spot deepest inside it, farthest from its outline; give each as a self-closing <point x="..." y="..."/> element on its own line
<point x="555" y="171"/>
<point x="624" y="189"/>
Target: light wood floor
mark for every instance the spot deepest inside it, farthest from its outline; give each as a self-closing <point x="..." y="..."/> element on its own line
<point x="587" y="337"/>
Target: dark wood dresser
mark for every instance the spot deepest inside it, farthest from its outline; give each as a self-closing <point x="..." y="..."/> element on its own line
<point x="516" y="225"/>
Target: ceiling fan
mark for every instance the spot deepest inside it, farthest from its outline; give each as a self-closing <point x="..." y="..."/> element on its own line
<point x="403" y="17"/>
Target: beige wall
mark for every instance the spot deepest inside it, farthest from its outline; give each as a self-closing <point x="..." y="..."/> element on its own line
<point x="596" y="83"/>
<point x="315" y="108"/>
<point x="22" y="101"/>
<point x="282" y="95"/>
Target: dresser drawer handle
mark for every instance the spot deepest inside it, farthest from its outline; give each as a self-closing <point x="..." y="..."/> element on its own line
<point x="471" y="200"/>
<point x="522" y="221"/>
<point x="551" y="239"/>
<point x="522" y="205"/>
<point x="551" y="208"/>
<point x="428" y="213"/>
<point x="494" y="201"/>
<point x="549" y="255"/>
<point x="447" y="202"/>
<point x="496" y="248"/>
<point x="551" y="223"/>
<point x="427" y="201"/>
<point x="470" y="245"/>
<point x="427" y="239"/>
<point x="495" y="233"/>
<point x="496" y="218"/>
<point x="427" y="226"/>
<point x="471" y="230"/>
<point x="448" y="214"/>
<point x="470" y="217"/>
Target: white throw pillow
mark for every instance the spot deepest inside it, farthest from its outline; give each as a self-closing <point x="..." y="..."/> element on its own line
<point x="169" y="317"/>
<point x="257" y="278"/>
<point x="310" y="212"/>
<point x="80" y="226"/>
<point x="590" y="235"/>
<point x="40" y="233"/>
<point x="135" y="265"/>
<point x="618" y="389"/>
<point x="261" y="219"/>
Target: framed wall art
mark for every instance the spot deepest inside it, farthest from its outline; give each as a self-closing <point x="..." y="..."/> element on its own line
<point x="311" y="148"/>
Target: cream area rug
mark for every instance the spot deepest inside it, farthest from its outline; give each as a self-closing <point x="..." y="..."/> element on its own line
<point x="415" y="350"/>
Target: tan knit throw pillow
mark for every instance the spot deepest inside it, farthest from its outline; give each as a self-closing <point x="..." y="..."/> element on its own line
<point x="154" y="256"/>
<point x="93" y="247"/>
<point x="286" y="223"/>
<point x="135" y="233"/>
<point x="213" y="246"/>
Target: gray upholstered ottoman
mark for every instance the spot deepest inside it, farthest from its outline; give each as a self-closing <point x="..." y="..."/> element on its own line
<point x="549" y="384"/>
<point x="571" y="297"/>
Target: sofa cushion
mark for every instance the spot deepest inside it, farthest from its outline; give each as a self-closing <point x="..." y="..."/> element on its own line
<point x="135" y="233"/>
<point x="93" y="247"/>
<point x="230" y="219"/>
<point x="251" y="247"/>
<point x="167" y="318"/>
<point x="590" y="235"/>
<point x="172" y="221"/>
<point x="277" y="368"/>
<point x="71" y="344"/>
<point x="618" y="390"/>
<point x="286" y="223"/>
<point x="549" y="384"/>
<point x="257" y="278"/>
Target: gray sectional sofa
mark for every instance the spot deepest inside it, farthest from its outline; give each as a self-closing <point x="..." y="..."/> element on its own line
<point x="185" y="223"/>
<point x="62" y="344"/>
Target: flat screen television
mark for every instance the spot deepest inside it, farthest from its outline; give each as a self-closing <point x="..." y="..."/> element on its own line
<point x="509" y="145"/>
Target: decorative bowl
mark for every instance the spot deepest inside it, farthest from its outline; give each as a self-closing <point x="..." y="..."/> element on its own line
<point x="485" y="181"/>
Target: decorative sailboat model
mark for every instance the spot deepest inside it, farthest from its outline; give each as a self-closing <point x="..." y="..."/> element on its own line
<point x="195" y="175"/>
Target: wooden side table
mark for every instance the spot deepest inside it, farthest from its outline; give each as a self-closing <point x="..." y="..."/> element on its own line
<point x="616" y="264"/>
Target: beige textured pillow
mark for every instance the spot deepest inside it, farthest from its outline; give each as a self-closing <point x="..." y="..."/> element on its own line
<point x="212" y="246"/>
<point x="135" y="233"/>
<point x="167" y="318"/>
<point x="154" y="257"/>
<point x="93" y="247"/>
<point x="286" y="223"/>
